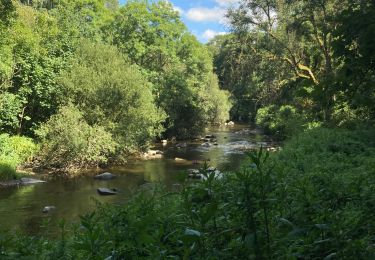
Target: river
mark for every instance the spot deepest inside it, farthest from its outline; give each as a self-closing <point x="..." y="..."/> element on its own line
<point x="21" y="207"/>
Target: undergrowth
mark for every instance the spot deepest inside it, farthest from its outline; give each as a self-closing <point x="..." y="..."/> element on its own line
<point x="313" y="200"/>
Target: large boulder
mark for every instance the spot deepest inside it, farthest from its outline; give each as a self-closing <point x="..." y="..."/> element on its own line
<point x="105" y="176"/>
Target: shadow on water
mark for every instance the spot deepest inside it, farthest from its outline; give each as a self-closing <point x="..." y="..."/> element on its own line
<point x="21" y="207"/>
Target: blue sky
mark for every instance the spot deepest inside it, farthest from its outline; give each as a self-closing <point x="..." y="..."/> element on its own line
<point x="204" y="18"/>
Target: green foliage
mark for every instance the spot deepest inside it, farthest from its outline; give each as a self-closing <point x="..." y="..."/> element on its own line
<point x="68" y="141"/>
<point x="121" y="67"/>
<point x="14" y="151"/>
<point x="180" y="68"/>
<point x="327" y="187"/>
<point x="113" y="94"/>
<point x="314" y="55"/>
<point x="10" y="109"/>
<point x="284" y="121"/>
<point x="312" y="200"/>
<point x="353" y="43"/>
<point x="37" y="60"/>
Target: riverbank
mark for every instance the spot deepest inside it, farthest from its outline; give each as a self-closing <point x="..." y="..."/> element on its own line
<point x="313" y="199"/>
<point x="35" y="168"/>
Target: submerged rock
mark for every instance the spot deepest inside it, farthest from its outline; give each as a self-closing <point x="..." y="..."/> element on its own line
<point x="106" y="191"/>
<point x="47" y="209"/>
<point x="105" y="176"/>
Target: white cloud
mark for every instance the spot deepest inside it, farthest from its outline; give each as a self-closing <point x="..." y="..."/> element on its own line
<point x="202" y="14"/>
<point x="209" y="34"/>
<point x="226" y="2"/>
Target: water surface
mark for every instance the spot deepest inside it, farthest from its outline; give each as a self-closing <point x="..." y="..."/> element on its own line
<point x="21" y="207"/>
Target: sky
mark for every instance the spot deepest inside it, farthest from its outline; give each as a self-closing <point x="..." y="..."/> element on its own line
<point x="204" y="18"/>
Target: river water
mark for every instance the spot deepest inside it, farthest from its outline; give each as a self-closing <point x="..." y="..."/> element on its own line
<point x="21" y="207"/>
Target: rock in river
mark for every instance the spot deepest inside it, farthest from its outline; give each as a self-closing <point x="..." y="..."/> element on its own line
<point x="47" y="209"/>
<point x="106" y="191"/>
<point x="105" y="176"/>
<point x="26" y="181"/>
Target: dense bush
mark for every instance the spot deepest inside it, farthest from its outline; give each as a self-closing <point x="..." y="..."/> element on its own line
<point x="312" y="200"/>
<point x="67" y="140"/>
<point x="113" y="94"/>
<point x="282" y="122"/>
<point x="14" y="150"/>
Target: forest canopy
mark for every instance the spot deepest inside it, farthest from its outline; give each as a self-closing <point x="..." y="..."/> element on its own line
<point x="131" y="72"/>
<point x="313" y="55"/>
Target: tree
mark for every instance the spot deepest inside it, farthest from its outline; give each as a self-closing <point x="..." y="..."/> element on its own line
<point x="113" y="94"/>
<point x="295" y="36"/>
<point x="179" y="67"/>
<point x="353" y="47"/>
